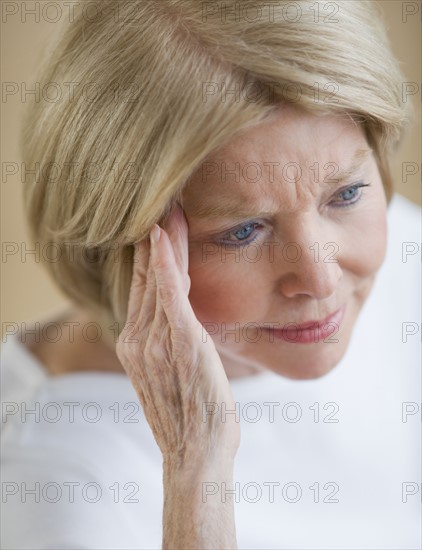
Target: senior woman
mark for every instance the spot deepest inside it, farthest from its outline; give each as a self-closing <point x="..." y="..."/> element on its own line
<point x="220" y="199"/>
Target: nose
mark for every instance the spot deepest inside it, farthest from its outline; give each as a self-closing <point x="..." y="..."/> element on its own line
<point x="312" y="270"/>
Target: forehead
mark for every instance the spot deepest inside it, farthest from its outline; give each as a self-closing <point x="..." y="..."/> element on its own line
<point x="256" y="163"/>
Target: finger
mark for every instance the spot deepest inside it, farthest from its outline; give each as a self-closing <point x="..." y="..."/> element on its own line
<point x="176" y="228"/>
<point x="170" y="283"/>
<point x="147" y="309"/>
<point x="139" y="275"/>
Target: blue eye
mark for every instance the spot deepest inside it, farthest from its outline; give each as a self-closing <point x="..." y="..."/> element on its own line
<point x="350" y="195"/>
<point x="244" y="232"/>
<point x="241" y="235"/>
<point x="347" y="197"/>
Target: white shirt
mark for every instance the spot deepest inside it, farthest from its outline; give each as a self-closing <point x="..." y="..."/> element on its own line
<point x="331" y="463"/>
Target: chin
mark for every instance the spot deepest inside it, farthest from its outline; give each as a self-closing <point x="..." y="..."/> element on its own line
<point x="308" y="370"/>
<point x="314" y="361"/>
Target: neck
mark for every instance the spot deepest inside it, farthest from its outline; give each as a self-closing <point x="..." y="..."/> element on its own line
<point x="81" y="349"/>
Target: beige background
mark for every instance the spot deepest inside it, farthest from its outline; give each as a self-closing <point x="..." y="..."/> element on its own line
<point x="26" y="290"/>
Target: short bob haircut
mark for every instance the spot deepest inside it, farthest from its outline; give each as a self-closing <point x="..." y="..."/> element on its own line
<point x="155" y="86"/>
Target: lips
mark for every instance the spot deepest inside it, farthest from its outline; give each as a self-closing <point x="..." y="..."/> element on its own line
<point x="310" y="331"/>
<point x="316" y="323"/>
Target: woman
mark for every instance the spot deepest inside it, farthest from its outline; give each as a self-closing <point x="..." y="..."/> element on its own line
<point x="216" y="186"/>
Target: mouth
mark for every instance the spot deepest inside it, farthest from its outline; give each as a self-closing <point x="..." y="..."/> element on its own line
<point x="318" y="323"/>
<point x="310" y="331"/>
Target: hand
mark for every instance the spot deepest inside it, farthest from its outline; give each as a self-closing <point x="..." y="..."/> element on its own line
<point x="170" y="359"/>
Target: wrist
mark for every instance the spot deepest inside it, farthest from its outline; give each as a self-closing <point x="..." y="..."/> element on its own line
<point x="190" y="465"/>
<point x="193" y="505"/>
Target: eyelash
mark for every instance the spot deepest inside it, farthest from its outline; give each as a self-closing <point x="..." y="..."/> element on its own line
<point x="242" y="243"/>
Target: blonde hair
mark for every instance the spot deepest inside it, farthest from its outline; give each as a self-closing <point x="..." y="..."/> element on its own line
<point x="154" y="87"/>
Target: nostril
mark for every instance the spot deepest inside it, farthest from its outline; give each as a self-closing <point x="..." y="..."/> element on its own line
<point x="318" y="280"/>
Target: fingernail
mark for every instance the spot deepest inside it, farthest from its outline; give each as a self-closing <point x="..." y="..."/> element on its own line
<point x="155" y="234"/>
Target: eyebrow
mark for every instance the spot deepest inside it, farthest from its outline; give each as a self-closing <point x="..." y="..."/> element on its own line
<point x="231" y="208"/>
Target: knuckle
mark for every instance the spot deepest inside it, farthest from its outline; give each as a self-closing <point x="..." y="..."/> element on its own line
<point x="154" y="348"/>
<point x="187" y="284"/>
<point x="129" y="336"/>
<point x="168" y="295"/>
<point x="150" y="284"/>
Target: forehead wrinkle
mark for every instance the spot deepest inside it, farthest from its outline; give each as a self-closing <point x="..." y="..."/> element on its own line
<point x="263" y="202"/>
<point x="234" y="208"/>
<point x="237" y="200"/>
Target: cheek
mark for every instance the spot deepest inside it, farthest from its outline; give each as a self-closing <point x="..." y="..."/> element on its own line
<point x="227" y="291"/>
<point x="366" y="240"/>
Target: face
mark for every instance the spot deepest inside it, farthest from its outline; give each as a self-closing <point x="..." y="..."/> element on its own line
<point x="287" y="229"/>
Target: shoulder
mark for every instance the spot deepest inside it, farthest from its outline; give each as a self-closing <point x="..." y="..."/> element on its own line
<point x="90" y="415"/>
<point x="21" y="373"/>
<point x="53" y="500"/>
<point x="81" y="464"/>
